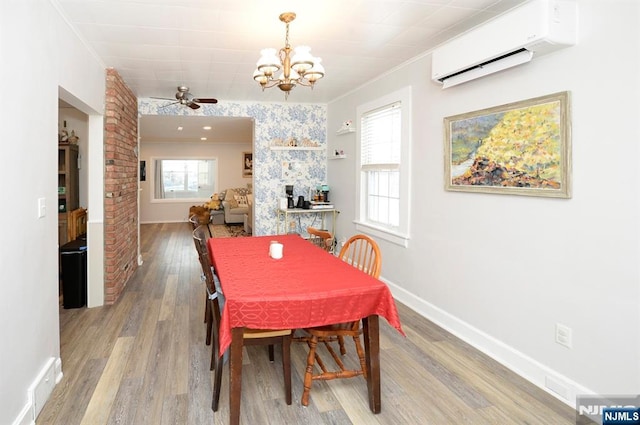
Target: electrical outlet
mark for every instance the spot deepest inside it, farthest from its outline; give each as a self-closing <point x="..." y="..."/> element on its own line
<point x="563" y="335"/>
<point x="42" y="207"/>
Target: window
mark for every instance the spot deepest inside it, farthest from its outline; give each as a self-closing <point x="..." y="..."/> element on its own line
<point x="383" y="167"/>
<point x="184" y="179"/>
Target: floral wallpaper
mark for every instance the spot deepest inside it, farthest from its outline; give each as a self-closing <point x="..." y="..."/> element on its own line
<point x="274" y="122"/>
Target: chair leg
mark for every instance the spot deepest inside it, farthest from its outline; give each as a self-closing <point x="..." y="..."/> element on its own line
<point x="214" y="353"/>
<point x="360" y="351"/>
<point x="308" y="374"/>
<point x="271" y="353"/>
<point x="215" y="347"/>
<point x="343" y="349"/>
<point x="286" y="367"/>
<point x="217" y="383"/>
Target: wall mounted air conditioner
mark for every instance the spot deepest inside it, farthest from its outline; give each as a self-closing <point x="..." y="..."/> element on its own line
<point x="513" y="38"/>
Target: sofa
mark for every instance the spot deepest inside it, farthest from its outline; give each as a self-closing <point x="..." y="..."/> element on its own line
<point x="236" y="202"/>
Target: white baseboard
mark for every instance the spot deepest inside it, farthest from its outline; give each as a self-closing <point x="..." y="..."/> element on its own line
<point x="58" y="370"/>
<point x="26" y="416"/>
<point x="39" y="391"/>
<point x="561" y="387"/>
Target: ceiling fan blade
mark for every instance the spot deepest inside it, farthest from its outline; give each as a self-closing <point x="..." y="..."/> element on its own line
<point x="193" y="105"/>
<point x="161" y="98"/>
<point x="205" y="100"/>
<point x="168" y="104"/>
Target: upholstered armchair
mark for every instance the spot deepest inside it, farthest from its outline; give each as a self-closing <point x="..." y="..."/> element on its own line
<point x="236" y="204"/>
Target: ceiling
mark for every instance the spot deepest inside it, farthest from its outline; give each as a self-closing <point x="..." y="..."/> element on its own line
<point x="162" y="128"/>
<point x="212" y="46"/>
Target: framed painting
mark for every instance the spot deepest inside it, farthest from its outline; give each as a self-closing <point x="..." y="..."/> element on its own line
<point x="247" y="164"/>
<point x="521" y="148"/>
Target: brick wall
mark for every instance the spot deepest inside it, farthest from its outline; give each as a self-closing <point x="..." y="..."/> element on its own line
<point x="121" y="186"/>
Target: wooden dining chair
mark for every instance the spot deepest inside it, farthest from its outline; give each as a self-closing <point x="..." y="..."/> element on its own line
<point x="363" y="253"/>
<point x="321" y="238"/>
<point x="195" y="221"/>
<point x="268" y="337"/>
<point x="200" y="236"/>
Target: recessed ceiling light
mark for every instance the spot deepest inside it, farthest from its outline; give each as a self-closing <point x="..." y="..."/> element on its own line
<point x="203" y="138"/>
<point x="180" y="128"/>
<point x="206" y="127"/>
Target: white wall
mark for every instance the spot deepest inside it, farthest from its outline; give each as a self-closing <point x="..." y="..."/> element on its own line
<point x="500" y="271"/>
<point x="41" y="60"/>
<point x="229" y="157"/>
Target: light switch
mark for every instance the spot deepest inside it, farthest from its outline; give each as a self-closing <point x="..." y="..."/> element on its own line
<point x="42" y="207"/>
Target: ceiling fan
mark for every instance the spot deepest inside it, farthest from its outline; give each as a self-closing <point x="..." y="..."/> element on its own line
<point x="186" y="98"/>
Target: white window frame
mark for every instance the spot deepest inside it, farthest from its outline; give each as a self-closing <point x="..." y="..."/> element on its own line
<point x="151" y="177"/>
<point x="398" y="235"/>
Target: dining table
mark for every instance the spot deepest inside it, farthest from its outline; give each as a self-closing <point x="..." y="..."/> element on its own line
<point x="306" y="287"/>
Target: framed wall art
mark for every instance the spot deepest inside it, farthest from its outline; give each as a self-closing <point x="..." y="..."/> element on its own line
<point x="521" y="148"/>
<point x="247" y="164"/>
<point x="293" y="171"/>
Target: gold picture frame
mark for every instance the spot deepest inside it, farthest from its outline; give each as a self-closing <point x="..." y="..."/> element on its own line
<point x="247" y="164"/>
<point x="520" y="148"/>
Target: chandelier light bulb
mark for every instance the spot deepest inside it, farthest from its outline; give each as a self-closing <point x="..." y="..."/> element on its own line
<point x="293" y="75"/>
<point x="302" y="60"/>
<point x="316" y="72"/>
<point x="269" y="62"/>
<point x="260" y="77"/>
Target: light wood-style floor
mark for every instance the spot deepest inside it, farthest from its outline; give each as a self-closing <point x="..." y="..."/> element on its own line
<point x="144" y="361"/>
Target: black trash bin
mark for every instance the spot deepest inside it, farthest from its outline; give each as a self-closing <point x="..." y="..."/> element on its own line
<point x="73" y="261"/>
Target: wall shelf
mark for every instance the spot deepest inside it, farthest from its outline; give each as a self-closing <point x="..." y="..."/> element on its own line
<point x="346" y="131"/>
<point x="338" y="156"/>
<point x="296" y="148"/>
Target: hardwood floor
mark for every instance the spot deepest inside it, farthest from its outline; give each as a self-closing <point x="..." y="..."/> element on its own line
<point x="144" y="361"/>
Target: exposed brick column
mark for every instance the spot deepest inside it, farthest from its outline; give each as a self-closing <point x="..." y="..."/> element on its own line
<point x="120" y="186"/>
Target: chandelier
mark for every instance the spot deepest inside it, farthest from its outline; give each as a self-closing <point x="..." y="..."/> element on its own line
<point x="299" y="69"/>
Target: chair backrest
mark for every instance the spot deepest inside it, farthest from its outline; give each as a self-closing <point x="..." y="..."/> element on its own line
<point x="200" y="237"/>
<point x="321" y="238"/>
<point x="77" y="224"/>
<point x="363" y="253"/>
<point x="214" y="289"/>
<point x="194" y="220"/>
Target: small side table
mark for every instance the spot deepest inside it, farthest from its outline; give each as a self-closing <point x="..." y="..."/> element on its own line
<point x="217" y="216"/>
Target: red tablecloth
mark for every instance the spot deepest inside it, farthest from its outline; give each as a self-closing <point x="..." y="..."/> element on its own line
<point x="307" y="287"/>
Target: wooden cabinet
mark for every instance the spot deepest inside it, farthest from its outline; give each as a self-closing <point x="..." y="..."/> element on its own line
<point x="68" y="198"/>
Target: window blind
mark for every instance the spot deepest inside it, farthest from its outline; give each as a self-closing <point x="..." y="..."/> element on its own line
<point x="380" y="132"/>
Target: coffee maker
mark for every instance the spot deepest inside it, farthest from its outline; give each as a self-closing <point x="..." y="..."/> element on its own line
<point x="325" y="192"/>
<point x="289" y="191"/>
